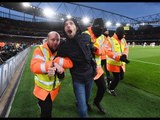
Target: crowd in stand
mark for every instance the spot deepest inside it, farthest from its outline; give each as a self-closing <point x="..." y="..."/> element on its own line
<point x="8" y="50"/>
<point x="16" y="27"/>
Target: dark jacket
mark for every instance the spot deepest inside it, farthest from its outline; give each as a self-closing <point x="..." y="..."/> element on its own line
<point x="79" y="51"/>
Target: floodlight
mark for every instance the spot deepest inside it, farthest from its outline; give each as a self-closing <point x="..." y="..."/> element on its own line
<point x="108" y="23"/>
<point x="85" y="20"/>
<point x="118" y="24"/>
<point x="26" y="4"/>
<point x="127" y="24"/>
<point x="69" y="16"/>
<point x="48" y="12"/>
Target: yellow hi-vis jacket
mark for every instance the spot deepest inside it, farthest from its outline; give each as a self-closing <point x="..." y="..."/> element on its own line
<point x="98" y="43"/>
<point x="116" y="48"/>
<point x="42" y="59"/>
<point x="104" y="56"/>
<point x="43" y="80"/>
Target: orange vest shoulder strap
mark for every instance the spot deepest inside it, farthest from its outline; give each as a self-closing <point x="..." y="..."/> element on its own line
<point x="93" y="37"/>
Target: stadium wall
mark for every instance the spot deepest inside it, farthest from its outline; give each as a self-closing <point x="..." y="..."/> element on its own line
<point x="8" y="69"/>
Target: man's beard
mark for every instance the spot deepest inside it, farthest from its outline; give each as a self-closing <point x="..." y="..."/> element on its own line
<point x="52" y="49"/>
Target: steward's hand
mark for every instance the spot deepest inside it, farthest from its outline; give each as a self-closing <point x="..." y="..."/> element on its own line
<point x="51" y="71"/>
<point x="127" y="61"/>
<point x="60" y="69"/>
<point x="123" y="57"/>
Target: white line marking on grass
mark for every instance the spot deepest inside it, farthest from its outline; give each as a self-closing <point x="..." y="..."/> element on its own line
<point x="145" y="62"/>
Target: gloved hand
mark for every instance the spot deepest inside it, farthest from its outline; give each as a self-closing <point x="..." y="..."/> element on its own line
<point x="60" y="76"/>
<point x="127" y="61"/>
<point x="124" y="59"/>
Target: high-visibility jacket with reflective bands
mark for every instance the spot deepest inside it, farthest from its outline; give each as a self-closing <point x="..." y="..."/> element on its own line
<point x="42" y="59"/>
<point x="115" y="49"/>
<point x="104" y="56"/>
<point x="99" y="44"/>
<point x="43" y="80"/>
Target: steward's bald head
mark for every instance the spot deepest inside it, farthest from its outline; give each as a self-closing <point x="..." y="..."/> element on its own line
<point x="53" y="40"/>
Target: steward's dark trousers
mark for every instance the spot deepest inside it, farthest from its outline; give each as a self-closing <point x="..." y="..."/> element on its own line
<point x="104" y="65"/>
<point x="117" y="76"/>
<point x="101" y="88"/>
<point x="45" y="107"/>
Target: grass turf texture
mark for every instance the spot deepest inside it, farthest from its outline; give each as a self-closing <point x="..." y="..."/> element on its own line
<point x="138" y="94"/>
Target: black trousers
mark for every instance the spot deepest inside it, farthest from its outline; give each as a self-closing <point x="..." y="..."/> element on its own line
<point x="45" y="107"/>
<point x="101" y="88"/>
<point x="117" y="76"/>
<point x="104" y="65"/>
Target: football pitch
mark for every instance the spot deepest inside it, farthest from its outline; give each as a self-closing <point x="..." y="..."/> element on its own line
<point x="138" y="95"/>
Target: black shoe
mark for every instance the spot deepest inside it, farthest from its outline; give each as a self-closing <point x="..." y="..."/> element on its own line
<point x="112" y="92"/>
<point x="101" y="110"/>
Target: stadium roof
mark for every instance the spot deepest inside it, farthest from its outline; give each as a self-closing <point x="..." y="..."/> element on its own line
<point x="18" y="7"/>
<point x="37" y="11"/>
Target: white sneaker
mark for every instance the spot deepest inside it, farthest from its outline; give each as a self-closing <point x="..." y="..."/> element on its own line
<point x="112" y="92"/>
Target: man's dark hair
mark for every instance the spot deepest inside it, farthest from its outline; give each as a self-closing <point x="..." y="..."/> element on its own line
<point x="75" y="22"/>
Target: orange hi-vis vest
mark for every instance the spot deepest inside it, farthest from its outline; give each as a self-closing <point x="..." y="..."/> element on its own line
<point x="43" y="80"/>
<point x="115" y="49"/>
<point x="42" y="59"/>
<point x="98" y="43"/>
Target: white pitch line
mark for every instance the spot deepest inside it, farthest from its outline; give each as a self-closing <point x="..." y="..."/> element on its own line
<point x="145" y="62"/>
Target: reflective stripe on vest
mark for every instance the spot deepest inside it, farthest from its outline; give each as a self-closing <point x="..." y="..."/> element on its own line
<point x="43" y="68"/>
<point x="39" y="57"/>
<point x="61" y="62"/>
<point x="101" y="41"/>
<point x="117" y="49"/>
<point x="47" y="85"/>
<point x="43" y="80"/>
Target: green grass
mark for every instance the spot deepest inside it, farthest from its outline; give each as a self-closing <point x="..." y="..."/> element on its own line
<point x="138" y="94"/>
<point x="144" y="76"/>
